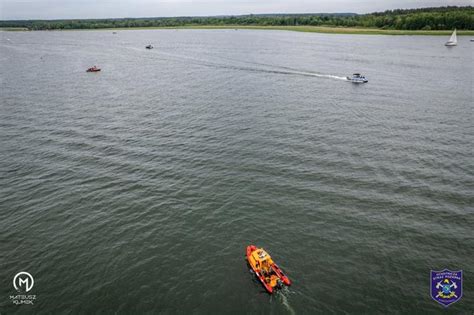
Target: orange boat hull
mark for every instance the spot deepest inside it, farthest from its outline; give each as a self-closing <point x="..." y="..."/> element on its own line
<point x="270" y="280"/>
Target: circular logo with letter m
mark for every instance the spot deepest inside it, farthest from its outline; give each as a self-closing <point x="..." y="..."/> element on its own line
<point x="23" y="281"/>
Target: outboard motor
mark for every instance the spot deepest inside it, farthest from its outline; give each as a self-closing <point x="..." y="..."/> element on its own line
<point x="279" y="284"/>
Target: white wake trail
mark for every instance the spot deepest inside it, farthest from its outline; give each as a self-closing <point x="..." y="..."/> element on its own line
<point x="263" y="67"/>
<point x="284" y="300"/>
<point x="330" y="76"/>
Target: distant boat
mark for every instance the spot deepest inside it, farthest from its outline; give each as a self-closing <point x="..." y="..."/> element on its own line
<point x="149" y="46"/>
<point x="357" y="78"/>
<point x="114" y="32"/>
<point x="93" y="69"/>
<point x="453" y="40"/>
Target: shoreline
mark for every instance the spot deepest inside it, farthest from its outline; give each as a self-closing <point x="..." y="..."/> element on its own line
<point x="305" y="28"/>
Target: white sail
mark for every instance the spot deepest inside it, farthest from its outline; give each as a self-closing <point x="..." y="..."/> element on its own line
<point x="453" y="40"/>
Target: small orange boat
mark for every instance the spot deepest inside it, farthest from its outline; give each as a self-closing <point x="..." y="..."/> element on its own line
<point x="269" y="274"/>
<point x="93" y="69"/>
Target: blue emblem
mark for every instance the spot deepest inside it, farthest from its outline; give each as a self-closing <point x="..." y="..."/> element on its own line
<point x="446" y="286"/>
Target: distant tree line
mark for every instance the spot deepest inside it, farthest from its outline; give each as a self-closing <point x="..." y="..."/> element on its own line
<point x="441" y="18"/>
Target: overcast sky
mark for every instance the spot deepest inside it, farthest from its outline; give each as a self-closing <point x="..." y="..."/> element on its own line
<point x="63" y="9"/>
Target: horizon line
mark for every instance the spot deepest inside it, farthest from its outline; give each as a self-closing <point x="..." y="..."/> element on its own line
<point x="235" y="15"/>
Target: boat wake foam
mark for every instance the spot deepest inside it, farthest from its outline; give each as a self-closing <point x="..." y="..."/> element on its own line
<point x="286" y="70"/>
<point x="282" y="296"/>
<point x="330" y="76"/>
<point x="253" y="67"/>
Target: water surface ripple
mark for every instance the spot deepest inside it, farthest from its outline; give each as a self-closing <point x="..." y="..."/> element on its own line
<point x="137" y="189"/>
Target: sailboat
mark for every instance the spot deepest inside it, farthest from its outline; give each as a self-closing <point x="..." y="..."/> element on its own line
<point x="453" y="40"/>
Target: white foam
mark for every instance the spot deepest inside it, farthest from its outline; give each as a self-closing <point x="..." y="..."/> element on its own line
<point x="319" y="75"/>
<point x="284" y="300"/>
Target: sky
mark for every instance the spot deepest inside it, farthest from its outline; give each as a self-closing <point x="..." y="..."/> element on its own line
<point x="70" y="9"/>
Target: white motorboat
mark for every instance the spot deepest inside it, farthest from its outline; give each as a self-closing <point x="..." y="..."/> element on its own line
<point x="357" y="78"/>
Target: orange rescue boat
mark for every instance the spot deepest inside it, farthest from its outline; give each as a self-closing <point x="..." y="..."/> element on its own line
<point x="269" y="274"/>
<point x="93" y="69"/>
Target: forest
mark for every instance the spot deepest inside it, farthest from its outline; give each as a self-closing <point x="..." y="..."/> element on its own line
<point x="439" y="18"/>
